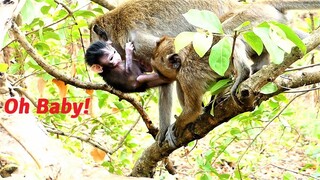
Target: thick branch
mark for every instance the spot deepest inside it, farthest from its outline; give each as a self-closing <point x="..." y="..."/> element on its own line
<point x="226" y="109"/>
<point x="105" y="4"/>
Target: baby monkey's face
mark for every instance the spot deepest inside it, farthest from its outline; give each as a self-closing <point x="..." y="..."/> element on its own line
<point x="110" y="58"/>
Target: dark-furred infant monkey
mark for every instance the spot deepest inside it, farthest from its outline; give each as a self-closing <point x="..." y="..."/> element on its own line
<point x="124" y="76"/>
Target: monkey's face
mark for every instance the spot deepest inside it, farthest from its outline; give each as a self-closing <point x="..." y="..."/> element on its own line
<point x="110" y="58"/>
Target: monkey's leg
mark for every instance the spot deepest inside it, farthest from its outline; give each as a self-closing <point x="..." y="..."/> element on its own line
<point x="191" y="110"/>
<point x="180" y="94"/>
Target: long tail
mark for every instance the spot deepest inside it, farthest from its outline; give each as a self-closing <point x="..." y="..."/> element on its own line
<point x="165" y="105"/>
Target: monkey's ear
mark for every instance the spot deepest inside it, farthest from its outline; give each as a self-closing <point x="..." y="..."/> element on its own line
<point x="100" y="32"/>
<point x="175" y="60"/>
<point x="97" y="68"/>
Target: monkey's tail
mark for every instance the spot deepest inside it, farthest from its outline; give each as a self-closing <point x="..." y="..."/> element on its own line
<point x="165" y="106"/>
<point x="283" y="5"/>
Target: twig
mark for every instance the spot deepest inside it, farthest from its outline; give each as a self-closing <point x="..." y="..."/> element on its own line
<point x="84" y="139"/>
<point x="19" y="90"/>
<point x="296" y="172"/>
<point x="25" y="148"/>
<point x="120" y="144"/>
<point x="70" y="13"/>
<point x="304" y="90"/>
<point x="223" y="150"/>
<point x="302" y="67"/>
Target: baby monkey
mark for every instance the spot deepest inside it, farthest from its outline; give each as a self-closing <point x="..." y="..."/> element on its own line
<point x="125" y="76"/>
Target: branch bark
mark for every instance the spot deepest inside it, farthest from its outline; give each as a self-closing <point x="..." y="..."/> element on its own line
<point x="227" y="109"/>
<point x="104" y="4"/>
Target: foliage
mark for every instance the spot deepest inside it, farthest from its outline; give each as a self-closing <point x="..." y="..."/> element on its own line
<point x="60" y="37"/>
<point x="277" y="38"/>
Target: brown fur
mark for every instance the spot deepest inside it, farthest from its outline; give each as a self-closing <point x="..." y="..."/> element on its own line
<point x="144" y="21"/>
<point x="194" y="76"/>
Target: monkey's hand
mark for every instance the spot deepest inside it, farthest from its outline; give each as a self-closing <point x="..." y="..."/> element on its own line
<point x="129" y="48"/>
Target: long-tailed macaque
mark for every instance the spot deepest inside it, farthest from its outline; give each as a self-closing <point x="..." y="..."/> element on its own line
<point x="124" y="76"/>
<point x="144" y="21"/>
<point x="194" y="75"/>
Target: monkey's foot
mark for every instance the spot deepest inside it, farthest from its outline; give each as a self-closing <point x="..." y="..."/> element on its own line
<point x="170" y="136"/>
<point x="161" y="136"/>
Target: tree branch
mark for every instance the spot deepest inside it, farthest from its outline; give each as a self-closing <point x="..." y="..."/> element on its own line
<point x="104" y="4"/>
<point x="227" y="109"/>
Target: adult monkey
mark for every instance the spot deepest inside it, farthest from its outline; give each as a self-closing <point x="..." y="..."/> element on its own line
<point x="194" y="75"/>
<point x="144" y="21"/>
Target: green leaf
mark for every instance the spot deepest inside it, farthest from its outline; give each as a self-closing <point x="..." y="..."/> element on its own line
<point x="276" y="54"/>
<point x="220" y="56"/>
<point x="14" y="68"/>
<point x="220" y="85"/>
<point x="42" y="47"/>
<point x="288" y="176"/>
<point x="292" y="36"/>
<point x="118" y="104"/>
<point x="280" y="38"/>
<point x="50" y="35"/>
<point x="235" y="131"/>
<point x="209" y="155"/>
<point x="99" y="10"/>
<point x="204" y="19"/>
<point x="246" y="23"/>
<point x="254" y="41"/>
<point x="51" y="3"/>
<point x="182" y="40"/>
<point x="201" y="43"/>
<point x="3" y="67"/>
<point x="269" y="88"/>
<point x="205" y="177"/>
<point x="60" y="14"/>
<point x="84" y="13"/>
<point x="45" y="9"/>
<point x="27" y="12"/>
<point x="34" y="65"/>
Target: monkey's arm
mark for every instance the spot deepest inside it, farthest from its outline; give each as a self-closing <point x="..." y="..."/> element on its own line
<point x="152" y="80"/>
<point x="242" y="64"/>
<point x="129" y="52"/>
<point x="192" y="99"/>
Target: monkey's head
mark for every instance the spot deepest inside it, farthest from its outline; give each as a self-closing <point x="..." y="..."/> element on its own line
<point x="165" y="61"/>
<point x="101" y="54"/>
